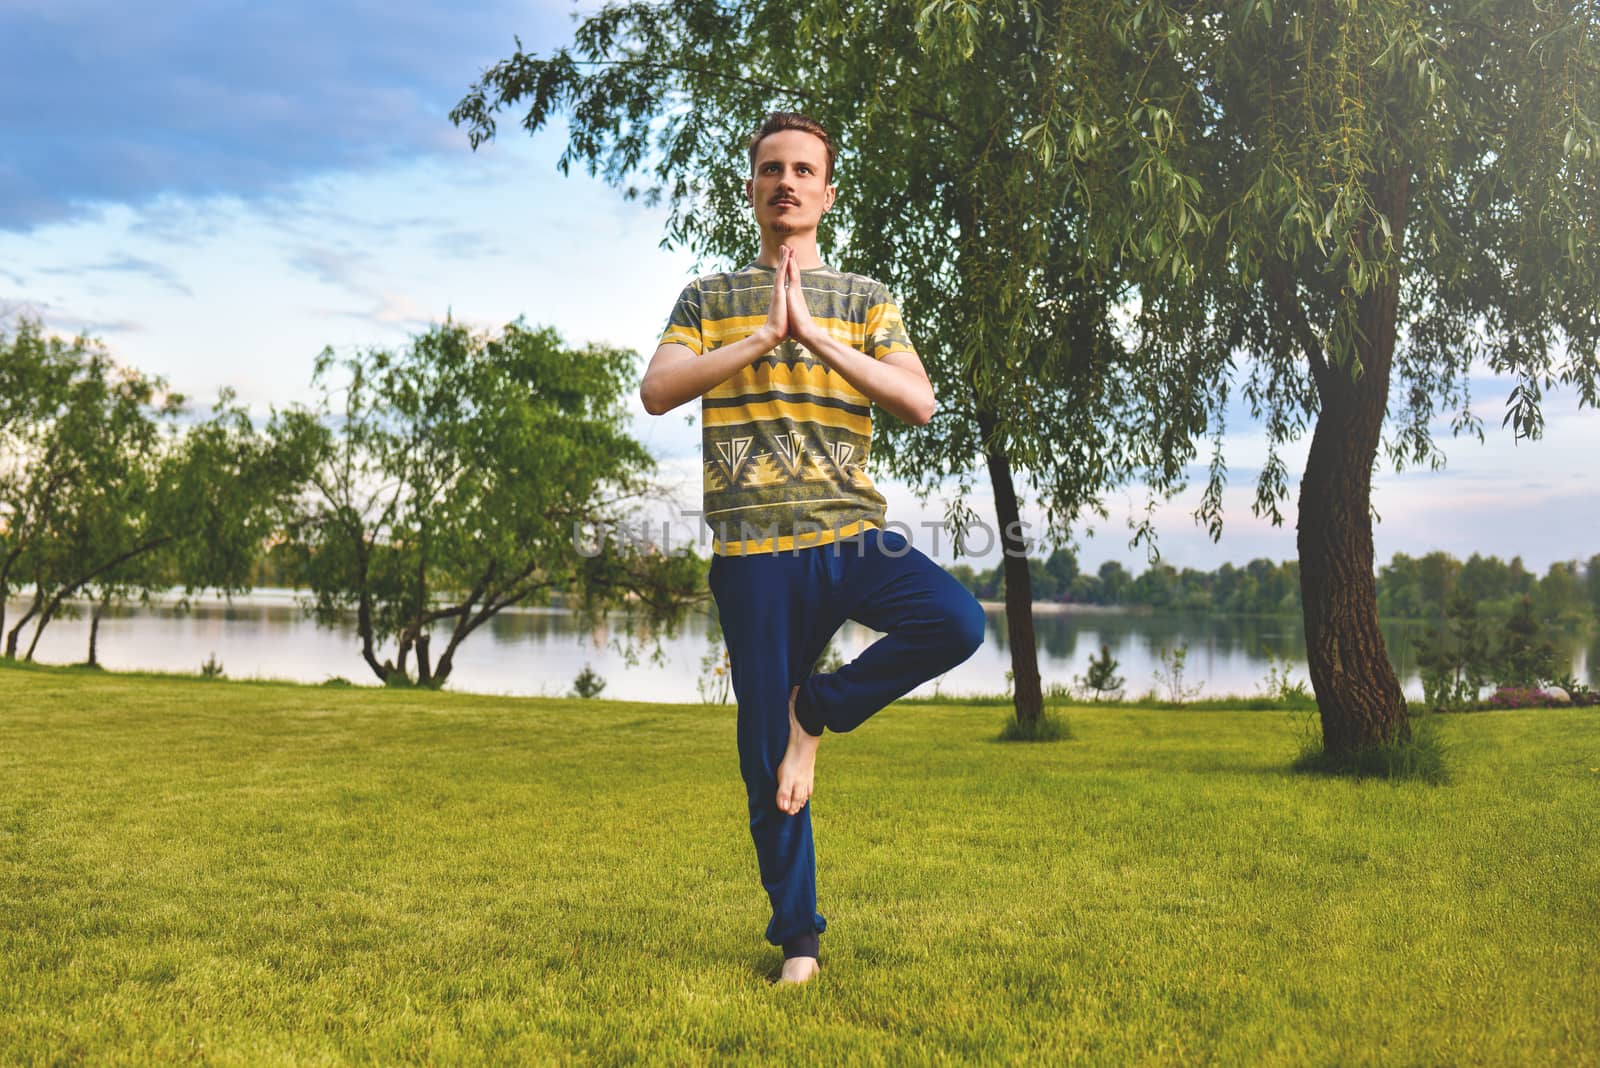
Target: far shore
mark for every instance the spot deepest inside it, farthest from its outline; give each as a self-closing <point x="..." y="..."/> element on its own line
<point x="1053" y="608"/>
<point x="283" y="595"/>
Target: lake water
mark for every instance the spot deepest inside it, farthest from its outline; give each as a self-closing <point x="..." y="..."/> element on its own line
<point x="267" y="634"/>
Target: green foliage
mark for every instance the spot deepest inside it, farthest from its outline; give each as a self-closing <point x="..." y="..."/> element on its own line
<point x="1259" y="588"/>
<point x="211" y="669"/>
<point x="587" y="684"/>
<point x="1292" y="160"/>
<point x="103" y="490"/>
<point x="716" y="669"/>
<point x="1339" y="211"/>
<point x="1527" y="657"/>
<point x="1101" y="679"/>
<point x="1170" y="675"/>
<point x="1456" y="659"/>
<point x="1408" y="587"/>
<point x="1280" y="686"/>
<point x="469" y="472"/>
<point x="829" y="661"/>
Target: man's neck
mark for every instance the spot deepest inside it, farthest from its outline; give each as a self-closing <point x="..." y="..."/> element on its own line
<point x="804" y="245"/>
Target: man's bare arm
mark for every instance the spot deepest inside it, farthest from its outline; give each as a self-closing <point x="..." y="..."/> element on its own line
<point x="676" y="374"/>
<point x="898" y="382"/>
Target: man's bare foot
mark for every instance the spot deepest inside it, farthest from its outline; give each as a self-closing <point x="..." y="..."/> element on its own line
<point x="797" y="769"/>
<point x="799" y="970"/>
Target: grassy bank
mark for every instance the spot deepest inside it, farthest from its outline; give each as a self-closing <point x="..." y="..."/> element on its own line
<point x="258" y="874"/>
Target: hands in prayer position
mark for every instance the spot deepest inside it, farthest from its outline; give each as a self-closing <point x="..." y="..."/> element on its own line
<point x="787" y="313"/>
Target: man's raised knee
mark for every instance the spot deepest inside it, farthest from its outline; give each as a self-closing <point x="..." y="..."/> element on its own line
<point x="968" y="625"/>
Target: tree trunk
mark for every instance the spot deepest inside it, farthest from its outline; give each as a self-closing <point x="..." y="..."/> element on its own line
<point x="5" y="585"/>
<point x="15" y="634"/>
<point x="1358" y="694"/>
<point x="364" y="626"/>
<point x="94" y="630"/>
<point x="38" y="627"/>
<point x="424" y="669"/>
<point x="1026" y="694"/>
<point x="424" y="676"/>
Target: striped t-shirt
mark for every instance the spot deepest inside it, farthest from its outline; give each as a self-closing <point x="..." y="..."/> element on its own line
<point x="786" y="440"/>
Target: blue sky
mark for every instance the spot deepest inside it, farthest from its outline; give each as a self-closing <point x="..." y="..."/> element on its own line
<point x="218" y="191"/>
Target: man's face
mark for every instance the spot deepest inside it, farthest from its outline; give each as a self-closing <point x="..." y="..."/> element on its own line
<point x="790" y="189"/>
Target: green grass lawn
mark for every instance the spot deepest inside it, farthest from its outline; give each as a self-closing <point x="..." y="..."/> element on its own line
<point x="238" y="873"/>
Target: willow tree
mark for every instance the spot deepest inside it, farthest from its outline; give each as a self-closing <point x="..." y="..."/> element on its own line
<point x="942" y="196"/>
<point x="1352" y="208"/>
<point x="468" y="473"/>
<point x="104" y="490"/>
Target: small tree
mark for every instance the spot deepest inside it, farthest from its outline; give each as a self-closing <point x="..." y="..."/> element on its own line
<point x="1101" y="678"/>
<point x="587" y="684"/>
<point x="1526" y="656"/>
<point x="1170" y="675"/>
<point x="470" y="472"/>
<point x="1455" y="658"/>
<point x="104" y="490"/>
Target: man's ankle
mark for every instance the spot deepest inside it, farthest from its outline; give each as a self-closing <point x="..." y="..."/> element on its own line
<point x="805" y="945"/>
<point x="808" y="717"/>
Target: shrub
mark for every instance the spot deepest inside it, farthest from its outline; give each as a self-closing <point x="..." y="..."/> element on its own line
<point x="587" y="684"/>
<point x="1527" y="657"/>
<point x="1582" y="696"/>
<point x="1455" y="658"/>
<point x="1281" y="686"/>
<point x="1170" y="675"/>
<point x="1521" y="697"/>
<point x="716" y="670"/>
<point x="1101" y="679"/>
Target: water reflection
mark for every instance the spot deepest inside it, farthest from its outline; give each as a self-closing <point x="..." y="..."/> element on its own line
<point x="539" y="651"/>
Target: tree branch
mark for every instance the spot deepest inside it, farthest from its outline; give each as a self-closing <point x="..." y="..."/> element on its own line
<point x="1280" y="286"/>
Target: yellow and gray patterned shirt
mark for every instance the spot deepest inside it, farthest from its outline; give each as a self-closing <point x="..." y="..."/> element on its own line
<point x="786" y="440"/>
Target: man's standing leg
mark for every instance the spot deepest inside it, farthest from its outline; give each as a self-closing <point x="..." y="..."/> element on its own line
<point x="777" y="614"/>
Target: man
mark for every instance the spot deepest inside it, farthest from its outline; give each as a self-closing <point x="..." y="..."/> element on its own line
<point x="788" y="355"/>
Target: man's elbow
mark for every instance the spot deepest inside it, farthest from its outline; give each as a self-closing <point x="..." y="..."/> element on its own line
<point x="922" y="414"/>
<point x="650" y="397"/>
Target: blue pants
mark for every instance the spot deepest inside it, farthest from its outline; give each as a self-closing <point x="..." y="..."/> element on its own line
<point x="778" y="612"/>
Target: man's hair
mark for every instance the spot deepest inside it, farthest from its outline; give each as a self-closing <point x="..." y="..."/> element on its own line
<point x="788" y="120"/>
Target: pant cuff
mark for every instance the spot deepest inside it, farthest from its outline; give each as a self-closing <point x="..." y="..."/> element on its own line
<point x="809" y="718"/>
<point x="804" y="946"/>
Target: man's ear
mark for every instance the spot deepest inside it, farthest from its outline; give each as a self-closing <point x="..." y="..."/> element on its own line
<point x="750" y="191"/>
<point x="827" y="198"/>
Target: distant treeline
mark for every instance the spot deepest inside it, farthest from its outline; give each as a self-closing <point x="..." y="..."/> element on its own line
<point x="1408" y="587"/>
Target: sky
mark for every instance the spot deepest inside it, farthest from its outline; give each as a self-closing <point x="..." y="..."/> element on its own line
<point x="219" y="191"/>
